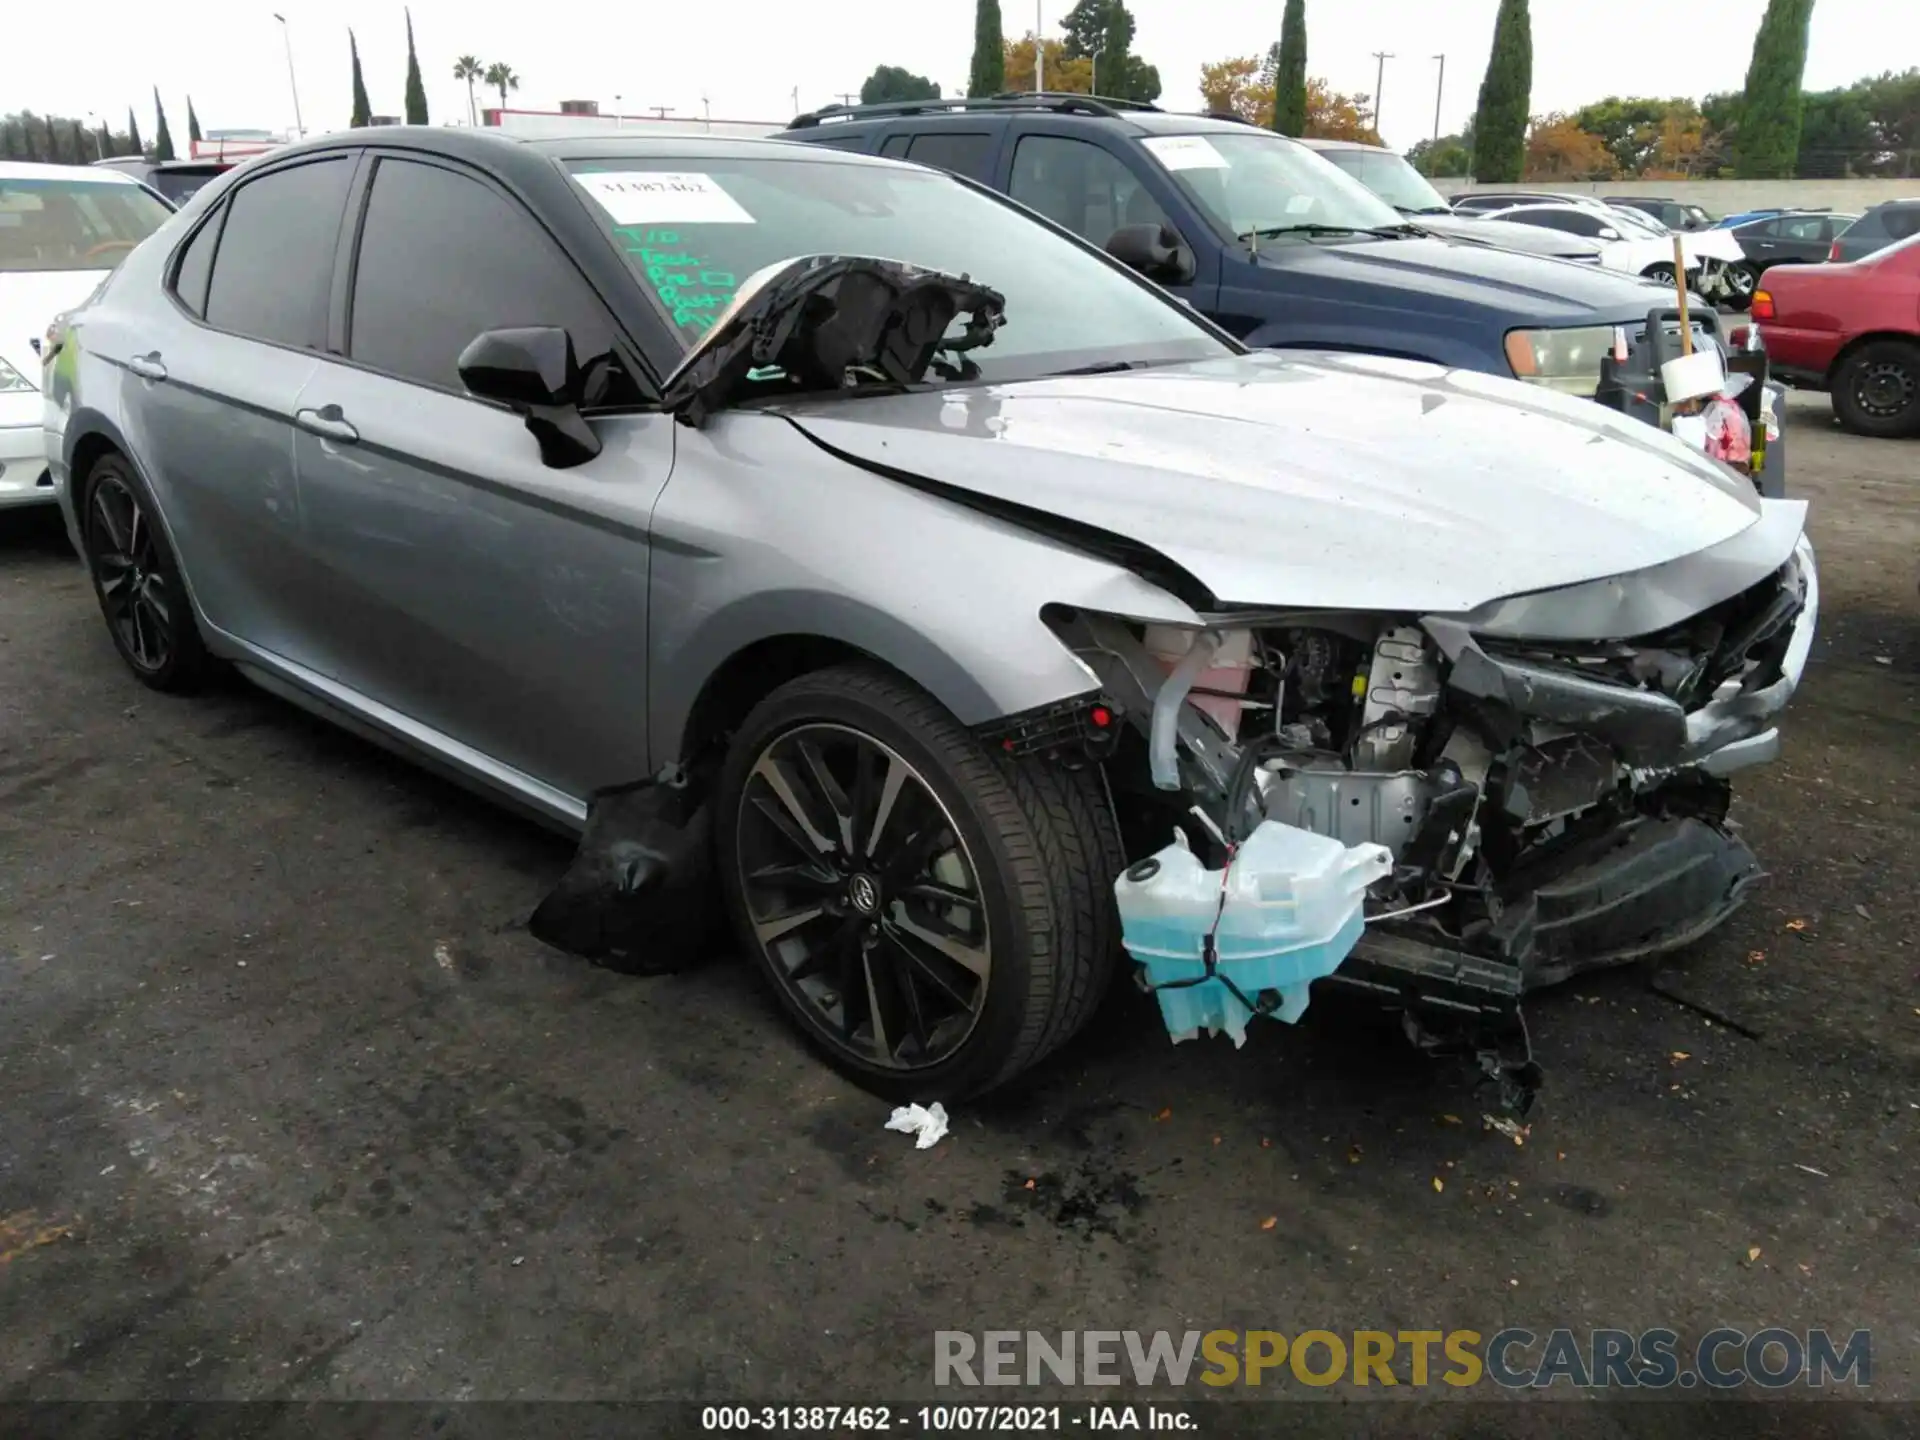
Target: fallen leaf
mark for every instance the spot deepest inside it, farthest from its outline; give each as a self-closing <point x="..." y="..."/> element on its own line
<point x="1439" y="1184"/>
<point x="1450" y="1119"/>
<point x="1266" y="1144"/>
<point x="1680" y="1055"/>
<point x="1753" y="1253"/>
<point x="1796" y="924"/>
<point x="1269" y="1222"/>
<point x="1559" y="1154"/>
<point x="1353" y="1155"/>
<point x="1806" y="1270"/>
<point x="1756" y="957"/>
<point x="1166" y="1114"/>
<point x="1216" y="1139"/>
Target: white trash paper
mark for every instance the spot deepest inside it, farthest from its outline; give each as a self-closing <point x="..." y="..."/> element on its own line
<point x="927" y="1124"/>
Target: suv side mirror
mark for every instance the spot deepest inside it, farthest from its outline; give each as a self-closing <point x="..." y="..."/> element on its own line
<point x="1156" y="251"/>
<point x="1607" y="232"/>
<point x="532" y="371"/>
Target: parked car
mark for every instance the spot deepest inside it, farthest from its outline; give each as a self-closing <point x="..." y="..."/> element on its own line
<point x="1261" y="234"/>
<point x="62" y="230"/>
<point x="1674" y="214"/>
<point x="1388" y="175"/>
<point x="1741" y="217"/>
<point x="1789" y="238"/>
<point x="657" y="473"/>
<point x="1642" y="247"/>
<point x="1487" y="201"/>
<point x="1878" y="226"/>
<point x="1852" y="329"/>
<point x="173" y="180"/>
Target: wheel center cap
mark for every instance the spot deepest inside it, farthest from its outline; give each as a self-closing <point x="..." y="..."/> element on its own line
<point x="864" y="892"/>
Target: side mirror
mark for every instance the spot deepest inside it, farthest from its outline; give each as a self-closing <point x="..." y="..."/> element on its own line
<point x="1156" y="251"/>
<point x="532" y="370"/>
<point x="1609" y="233"/>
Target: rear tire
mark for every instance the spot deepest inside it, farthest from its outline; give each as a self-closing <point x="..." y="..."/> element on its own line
<point x="137" y="580"/>
<point x="1876" y="389"/>
<point x="879" y="859"/>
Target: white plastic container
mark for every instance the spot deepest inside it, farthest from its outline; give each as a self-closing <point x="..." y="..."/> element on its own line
<point x="1688" y="377"/>
<point x="1229" y="670"/>
<point x="1293" y="909"/>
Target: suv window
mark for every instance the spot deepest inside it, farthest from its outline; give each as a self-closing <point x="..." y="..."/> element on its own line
<point x="1801" y="227"/>
<point x="894" y="147"/>
<point x="965" y="153"/>
<point x="1572" y="222"/>
<point x="1900" y="221"/>
<point x="274" y="268"/>
<point x="444" y="257"/>
<point x="1081" y="186"/>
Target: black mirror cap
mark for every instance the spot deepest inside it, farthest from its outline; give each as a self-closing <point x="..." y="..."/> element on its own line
<point x="524" y="367"/>
<point x="1156" y="251"/>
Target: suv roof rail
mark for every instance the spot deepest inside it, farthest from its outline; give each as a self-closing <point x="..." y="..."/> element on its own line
<point x="1059" y="100"/>
<point x="1223" y="115"/>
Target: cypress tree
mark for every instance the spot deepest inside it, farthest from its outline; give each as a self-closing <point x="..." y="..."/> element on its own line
<point x="80" y="145"/>
<point x="1769" y="136"/>
<point x="362" y="110"/>
<point x="1290" y="77"/>
<point x="193" y="123"/>
<point x="163" y="139"/>
<point x="416" y="88"/>
<point x="53" y="139"/>
<point x="107" y="146"/>
<point x="989" y="73"/>
<point x="1500" y="124"/>
<point x="134" y="147"/>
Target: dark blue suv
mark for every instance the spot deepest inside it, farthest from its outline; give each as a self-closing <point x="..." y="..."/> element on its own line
<point x="1262" y="235"/>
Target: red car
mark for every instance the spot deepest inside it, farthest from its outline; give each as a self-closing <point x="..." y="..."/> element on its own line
<point x="1852" y="330"/>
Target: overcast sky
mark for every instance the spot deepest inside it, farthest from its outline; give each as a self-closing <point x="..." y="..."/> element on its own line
<point x="746" y="58"/>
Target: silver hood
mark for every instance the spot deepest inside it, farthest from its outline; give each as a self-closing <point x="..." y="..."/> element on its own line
<point x="1337" y="481"/>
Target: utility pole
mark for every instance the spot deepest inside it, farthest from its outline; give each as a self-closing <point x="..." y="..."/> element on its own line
<point x="706" y="109"/>
<point x="796" y="100"/>
<point x="1039" y="52"/>
<point x="659" y="111"/>
<point x="286" y="34"/>
<point x="1439" y="87"/>
<point x="1379" y="80"/>
<point x="846" y="99"/>
<point x="1093" y="80"/>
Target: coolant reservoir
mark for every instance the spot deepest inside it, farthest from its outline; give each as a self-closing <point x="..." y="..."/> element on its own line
<point x="1231" y="666"/>
<point x="1287" y="911"/>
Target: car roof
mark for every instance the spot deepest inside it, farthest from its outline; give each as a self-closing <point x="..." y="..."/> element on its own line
<point x="484" y="145"/>
<point x="1122" y="116"/>
<point x="133" y="162"/>
<point x="29" y="170"/>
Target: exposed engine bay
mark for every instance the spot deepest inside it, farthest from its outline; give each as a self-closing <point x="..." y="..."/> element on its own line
<point x="1550" y="806"/>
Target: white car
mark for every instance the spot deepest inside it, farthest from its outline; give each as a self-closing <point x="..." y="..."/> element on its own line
<point x="63" y="228"/>
<point x="1634" y="243"/>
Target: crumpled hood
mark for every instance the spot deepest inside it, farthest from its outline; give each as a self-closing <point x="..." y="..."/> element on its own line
<point x="31" y="298"/>
<point x="1341" y="481"/>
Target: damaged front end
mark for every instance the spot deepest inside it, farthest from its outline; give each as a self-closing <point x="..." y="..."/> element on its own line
<point x="1551" y="804"/>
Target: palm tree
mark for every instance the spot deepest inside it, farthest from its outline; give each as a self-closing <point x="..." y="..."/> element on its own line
<point x="468" y="68"/>
<point x="500" y="75"/>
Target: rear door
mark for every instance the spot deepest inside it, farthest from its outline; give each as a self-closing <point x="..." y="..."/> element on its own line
<point x="469" y="588"/>
<point x="1802" y="239"/>
<point x="969" y="152"/>
<point x="212" y="406"/>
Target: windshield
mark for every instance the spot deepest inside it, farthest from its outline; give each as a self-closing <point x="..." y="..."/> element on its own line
<point x="1637" y="222"/>
<point x="1258" y="183"/>
<point x="73" y="224"/>
<point x="694" y="237"/>
<point x="1391" y="178"/>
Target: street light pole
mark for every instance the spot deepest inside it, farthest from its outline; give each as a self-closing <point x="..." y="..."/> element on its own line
<point x="93" y="128"/>
<point x="1379" y="81"/>
<point x="1039" y="52"/>
<point x="1439" y="87"/>
<point x="286" y="34"/>
<point x="1093" y="83"/>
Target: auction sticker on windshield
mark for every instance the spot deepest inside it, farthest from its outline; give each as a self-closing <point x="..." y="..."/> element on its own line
<point x="1185" y="152"/>
<point x="651" y="197"/>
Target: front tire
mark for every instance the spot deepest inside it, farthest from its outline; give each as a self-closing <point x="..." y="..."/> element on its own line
<point x="1876" y="390"/>
<point x="137" y="580"/>
<point x="934" y="916"/>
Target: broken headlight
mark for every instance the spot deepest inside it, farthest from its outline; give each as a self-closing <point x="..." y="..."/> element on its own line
<point x="1563" y="360"/>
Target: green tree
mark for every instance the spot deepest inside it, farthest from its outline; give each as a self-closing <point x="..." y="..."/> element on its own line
<point x="106" y="141"/>
<point x="989" y="73"/>
<point x="362" y="108"/>
<point x="162" y="138"/>
<point x="193" y="124"/>
<point x="468" y="68"/>
<point x="416" y="88"/>
<point x="1631" y="127"/>
<point x="500" y="75"/>
<point x="1290" y="72"/>
<point x="1500" y="122"/>
<point x="1769" y="138"/>
<point x="82" y="147"/>
<point x="1102" y="31"/>
<point x="891" y="82"/>
<point x="133" y="134"/>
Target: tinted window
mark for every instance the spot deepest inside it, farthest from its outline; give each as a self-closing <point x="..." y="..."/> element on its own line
<point x="843" y="142"/>
<point x="444" y="257"/>
<point x="964" y="153"/>
<point x="1080" y="186"/>
<point x="1835" y="224"/>
<point x="1761" y="230"/>
<point x="895" y="146"/>
<point x="274" y="268"/>
<point x="1901" y="221"/>
<point x="61" y="224"/>
<point x="1802" y="227"/>
<point x="196" y="266"/>
<point x="1573" y="222"/>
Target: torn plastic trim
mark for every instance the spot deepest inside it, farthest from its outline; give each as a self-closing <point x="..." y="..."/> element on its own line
<point x="830" y="323"/>
<point x="1142" y="561"/>
<point x="1162" y="753"/>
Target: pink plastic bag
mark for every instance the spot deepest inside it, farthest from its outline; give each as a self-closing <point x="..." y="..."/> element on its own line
<point x="1729" y="432"/>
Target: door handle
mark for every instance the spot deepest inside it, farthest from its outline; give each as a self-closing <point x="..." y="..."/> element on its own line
<point x="328" y="422"/>
<point x="148" y="367"/>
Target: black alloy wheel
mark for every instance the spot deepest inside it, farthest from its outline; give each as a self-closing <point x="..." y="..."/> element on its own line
<point x="138" y="583"/>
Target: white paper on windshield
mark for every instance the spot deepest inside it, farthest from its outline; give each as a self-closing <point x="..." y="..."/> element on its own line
<point x="1185" y="152"/>
<point x="654" y="197"/>
<point x="1299" y="204"/>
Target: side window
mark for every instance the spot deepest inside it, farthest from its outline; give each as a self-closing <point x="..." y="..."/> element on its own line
<point x="274" y="269"/>
<point x="1901" y="221"/>
<point x="962" y="153"/>
<point x="843" y="142"/>
<point x="442" y="258"/>
<point x="1807" y="227"/>
<point x="1765" y="230"/>
<point x="196" y="265"/>
<point x="895" y="146"/>
<point x="1081" y="186"/>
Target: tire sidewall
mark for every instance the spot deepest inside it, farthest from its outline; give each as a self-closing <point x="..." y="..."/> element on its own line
<point x="184" y="664"/>
<point x="1908" y="423"/>
<point x="981" y="1057"/>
